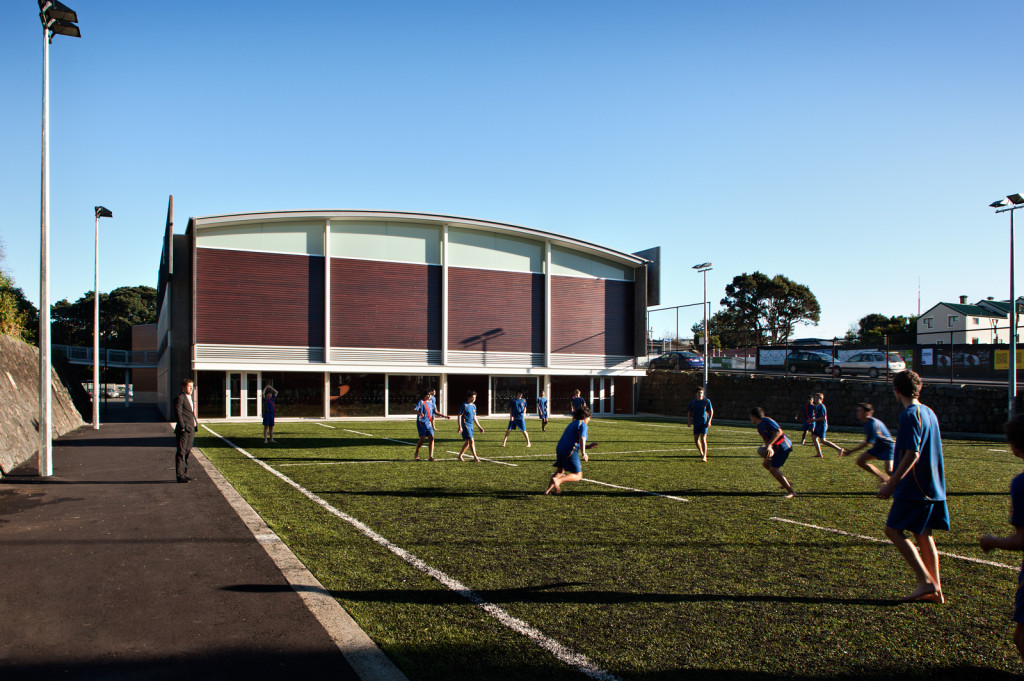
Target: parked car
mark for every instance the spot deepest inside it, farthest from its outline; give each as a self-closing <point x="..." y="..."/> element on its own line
<point x="811" y="362"/>
<point x="677" y="359"/>
<point x="113" y="391"/>
<point x="871" y="363"/>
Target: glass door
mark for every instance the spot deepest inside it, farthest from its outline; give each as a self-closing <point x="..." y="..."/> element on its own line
<point x="234" y="395"/>
<point x="252" y="392"/>
<point x="243" y="395"/>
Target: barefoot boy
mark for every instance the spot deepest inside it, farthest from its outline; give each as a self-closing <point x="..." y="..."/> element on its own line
<point x="821" y="426"/>
<point x="806" y="416"/>
<point x="700" y="412"/>
<point x="467" y="418"/>
<point x="776" y="449"/>
<point x="571" y="446"/>
<point x="542" y="411"/>
<point x="877" y="436"/>
<point x="517" y="417"/>
<point x="425" y="425"/>
<point x="917" y="488"/>
<point x="577" y="400"/>
<point x="1014" y="542"/>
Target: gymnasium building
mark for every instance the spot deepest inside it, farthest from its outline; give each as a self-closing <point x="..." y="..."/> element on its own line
<point x="352" y="313"/>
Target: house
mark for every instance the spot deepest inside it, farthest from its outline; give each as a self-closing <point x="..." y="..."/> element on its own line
<point x="985" y="322"/>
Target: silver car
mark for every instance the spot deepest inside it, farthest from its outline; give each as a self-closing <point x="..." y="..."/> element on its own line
<point x="872" y="363"/>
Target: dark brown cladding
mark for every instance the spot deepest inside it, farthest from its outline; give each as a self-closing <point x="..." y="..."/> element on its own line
<point x="499" y="311"/>
<point x="591" y="316"/>
<point x="385" y="305"/>
<point x="248" y="298"/>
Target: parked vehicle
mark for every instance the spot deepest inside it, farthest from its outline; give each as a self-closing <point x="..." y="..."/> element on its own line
<point x="871" y="363"/>
<point x="811" y="362"/>
<point x="677" y="359"/>
<point x="113" y="391"/>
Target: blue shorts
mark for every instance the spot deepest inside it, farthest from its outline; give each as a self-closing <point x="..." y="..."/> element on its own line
<point x="425" y="429"/>
<point x="268" y="419"/>
<point x="808" y="426"/>
<point x="571" y="463"/>
<point x="700" y="428"/>
<point x="883" y="452"/>
<point x="467" y="433"/>
<point x="519" y="423"/>
<point x="919" y="517"/>
<point x="1018" y="601"/>
<point x="820" y="428"/>
<point x="543" y="416"/>
<point x="780" y="456"/>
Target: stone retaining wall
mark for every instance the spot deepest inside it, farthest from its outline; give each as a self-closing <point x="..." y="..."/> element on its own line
<point x="960" y="408"/>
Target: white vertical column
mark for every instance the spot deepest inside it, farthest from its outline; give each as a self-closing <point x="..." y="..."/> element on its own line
<point x="327" y="394"/>
<point x="547" y="306"/>
<point x="444" y="295"/>
<point x="327" y="291"/>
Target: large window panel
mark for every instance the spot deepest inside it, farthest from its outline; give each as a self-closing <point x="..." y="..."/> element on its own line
<point x="396" y="241"/>
<point x="298" y="393"/>
<point x="278" y="237"/>
<point x="576" y="264"/>
<point x="404" y="392"/>
<point x="357" y="395"/>
<point x="488" y="250"/>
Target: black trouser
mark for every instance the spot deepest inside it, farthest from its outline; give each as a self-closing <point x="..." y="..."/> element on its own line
<point x="185" y="438"/>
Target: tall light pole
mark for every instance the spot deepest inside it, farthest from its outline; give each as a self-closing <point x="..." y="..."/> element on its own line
<point x="1011" y="203"/>
<point x="101" y="212"/>
<point x="705" y="267"/>
<point x="56" y="19"/>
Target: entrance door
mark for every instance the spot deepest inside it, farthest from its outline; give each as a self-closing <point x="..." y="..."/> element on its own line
<point x="602" y="390"/>
<point x="243" y="395"/>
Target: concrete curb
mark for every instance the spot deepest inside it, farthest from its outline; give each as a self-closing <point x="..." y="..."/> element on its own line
<point x="365" y="657"/>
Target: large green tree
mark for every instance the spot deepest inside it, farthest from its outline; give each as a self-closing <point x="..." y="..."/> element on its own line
<point x="72" y="323"/>
<point x="18" y="316"/>
<point x="875" y="326"/>
<point x="759" y="309"/>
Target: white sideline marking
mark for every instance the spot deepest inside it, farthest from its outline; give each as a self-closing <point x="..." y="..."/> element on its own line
<point x="347" y="430"/>
<point x="1001" y="451"/>
<point x="413" y="444"/>
<point x="570" y="657"/>
<point x="503" y="463"/>
<point x="634" y="489"/>
<point x="886" y="541"/>
<point x="334" y="463"/>
<point x="326" y="426"/>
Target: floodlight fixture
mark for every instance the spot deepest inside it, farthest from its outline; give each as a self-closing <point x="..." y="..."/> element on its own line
<point x="102" y="212"/>
<point x="57" y="10"/>
<point x="703" y="267"/>
<point x="999" y="204"/>
<point x="1015" y="199"/>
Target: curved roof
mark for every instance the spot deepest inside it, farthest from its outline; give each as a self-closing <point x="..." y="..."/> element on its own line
<point x="451" y="220"/>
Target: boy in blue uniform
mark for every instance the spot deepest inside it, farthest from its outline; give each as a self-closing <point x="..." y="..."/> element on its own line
<point x="571" y="446"/>
<point x="517" y="417"/>
<point x="776" y="449"/>
<point x="917" y="488"/>
<point x="425" y="425"/>
<point x="821" y="427"/>
<point x="700" y="412"/>
<point x="467" y="418"/>
<point x="806" y="416"/>
<point x="1014" y="542"/>
<point x="577" y="400"/>
<point x="876" y="436"/>
<point x="542" y="411"/>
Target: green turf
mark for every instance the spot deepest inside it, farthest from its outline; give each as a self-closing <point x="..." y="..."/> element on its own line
<point x="646" y="587"/>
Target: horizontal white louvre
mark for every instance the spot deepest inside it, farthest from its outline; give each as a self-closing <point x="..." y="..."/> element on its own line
<point x="592" y="361"/>
<point x="272" y="354"/>
<point x="476" y="358"/>
<point x="377" y="356"/>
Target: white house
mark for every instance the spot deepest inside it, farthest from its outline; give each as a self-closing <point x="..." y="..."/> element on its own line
<point x="986" y="322"/>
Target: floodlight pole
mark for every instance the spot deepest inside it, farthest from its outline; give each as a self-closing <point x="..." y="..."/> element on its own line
<point x="45" y="398"/>
<point x="1010" y="204"/>
<point x="705" y="267"/>
<point x="101" y="212"/>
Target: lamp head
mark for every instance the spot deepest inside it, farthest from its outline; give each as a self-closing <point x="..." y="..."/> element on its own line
<point x="102" y="212"/>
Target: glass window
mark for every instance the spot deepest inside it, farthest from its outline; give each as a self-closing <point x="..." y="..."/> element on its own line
<point x="357" y="395"/>
<point x="953" y="320"/>
<point x="395" y="241"/>
<point x="404" y="392"/>
<point x="209" y="392"/>
<point x="488" y="250"/>
<point x="504" y="389"/>
<point x="928" y="322"/>
<point x="298" y="393"/>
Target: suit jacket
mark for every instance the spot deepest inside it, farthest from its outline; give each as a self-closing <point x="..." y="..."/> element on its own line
<point x="186" y="417"/>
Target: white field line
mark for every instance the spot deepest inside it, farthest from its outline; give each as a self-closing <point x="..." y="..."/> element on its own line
<point x="326" y="426"/>
<point x="562" y="653"/>
<point x="1001" y="451"/>
<point x="886" y="541"/>
<point x="348" y="430"/>
<point x="502" y="463"/>
<point x="634" y="489"/>
<point x="335" y="463"/>
<point x="413" y="444"/>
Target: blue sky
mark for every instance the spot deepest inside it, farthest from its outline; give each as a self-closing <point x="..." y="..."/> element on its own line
<point x="851" y="146"/>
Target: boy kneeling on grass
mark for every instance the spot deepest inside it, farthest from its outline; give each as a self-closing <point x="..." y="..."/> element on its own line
<point x="1014" y="542"/>
<point x="570" y="447"/>
<point x="776" y="449"/>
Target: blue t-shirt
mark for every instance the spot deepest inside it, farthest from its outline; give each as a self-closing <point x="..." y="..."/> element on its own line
<point x="569" y="442"/>
<point x="919" y="432"/>
<point x="425" y="412"/>
<point x="517" y="408"/>
<point x="821" y="412"/>
<point x="466" y="416"/>
<point x="876" y="432"/>
<point x="768" y="426"/>
<point x="808" y="412"/>
<point x="699" y="410"/>
<point x="542" y="405"/>
<point x="1017" y="501"/>
<point x="578" y="402"/>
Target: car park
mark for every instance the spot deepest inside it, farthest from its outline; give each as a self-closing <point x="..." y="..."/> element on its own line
<point x="810" y="362"/>
<point x="677" y="359"/>
<point x="872" y="362"/>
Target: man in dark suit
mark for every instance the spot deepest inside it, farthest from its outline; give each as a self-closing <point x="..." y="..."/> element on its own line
<point x="184" y="429"/>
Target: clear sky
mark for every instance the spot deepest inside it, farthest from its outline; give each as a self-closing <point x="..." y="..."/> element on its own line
<point x="851" y="146"/>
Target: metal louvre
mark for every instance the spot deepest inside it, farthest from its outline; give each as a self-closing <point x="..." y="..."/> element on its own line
<point x="489" y="359"/>
<point x="271" y="354"/>
<point x="378" y="356"/>
<point x="592" y="361"/>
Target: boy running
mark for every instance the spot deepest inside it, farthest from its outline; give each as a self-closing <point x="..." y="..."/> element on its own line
<point x="700" y="412"/>
<point x="877" y="436"/>
<point x="577" y="400"/>
<point x="917" y="488"/>
<point x="542" y="411"/>
<point x="1014" y="542"/>
<point x="571" y="446"/>
<point x="806" y="416"/>
<point x="517" y="417"/>
<point x="821" y="427"/>
<point x="467" y="418"/>
<point x="425" y="425"/>
<point x="776" y="449"/>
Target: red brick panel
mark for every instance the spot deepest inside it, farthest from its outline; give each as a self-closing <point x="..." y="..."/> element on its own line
<point x="385" y="305"/>
<point x="591" y="316"/>
<point x="247" y="298"/>
<point x="499" y="311"/>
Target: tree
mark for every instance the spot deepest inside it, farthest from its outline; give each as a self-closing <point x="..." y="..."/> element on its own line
<point x="18" y="316"/>
<point x="874" y="327"/>
<point x="759" y="309"/>
<point x="72" y="323"/>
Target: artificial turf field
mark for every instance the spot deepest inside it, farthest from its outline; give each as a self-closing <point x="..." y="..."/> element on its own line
<point x="702" y="579"/>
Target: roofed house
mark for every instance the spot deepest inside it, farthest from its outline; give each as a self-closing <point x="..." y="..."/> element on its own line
<point x="985" y="322"/>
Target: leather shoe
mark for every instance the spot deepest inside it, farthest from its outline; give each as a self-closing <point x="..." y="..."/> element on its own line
<point x="184" y="478"/>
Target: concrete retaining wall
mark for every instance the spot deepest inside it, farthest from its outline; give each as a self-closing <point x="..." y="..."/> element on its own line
<point x="960" y="408"/>
<point x="19" y="405"/>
